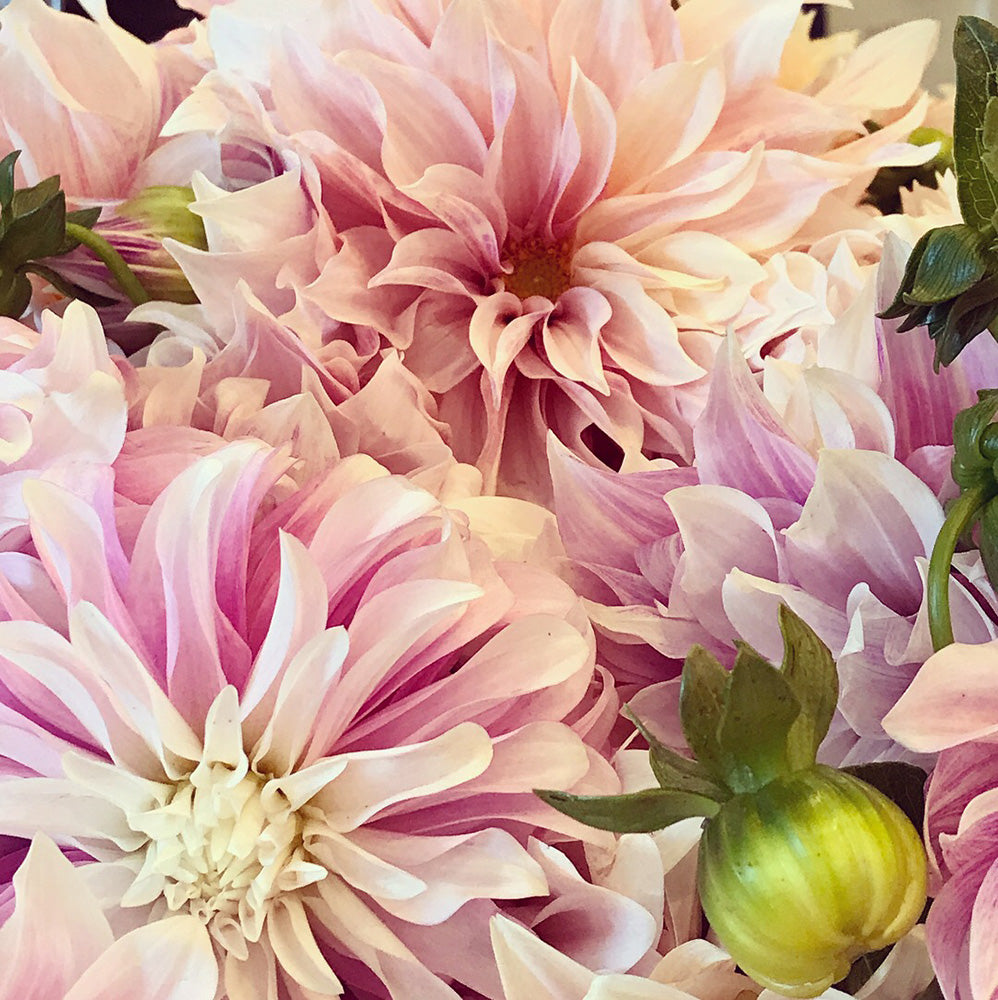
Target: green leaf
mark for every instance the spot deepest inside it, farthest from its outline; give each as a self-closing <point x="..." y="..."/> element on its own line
<point x="989" y="541"/>
<point x="36" y="234"/>
<point x="809" y="669"/>
<point x="7" y="178"/>
<point x="975" y="49"/>
<point x="636" y="812"/>
<point x="761" y="709"/>
<point x="902" y="783"/>
<point x="675" y="772"/>
<point x="15" y="293"/>
<point x="701" y="707"/>
<point x="953" y="261"/>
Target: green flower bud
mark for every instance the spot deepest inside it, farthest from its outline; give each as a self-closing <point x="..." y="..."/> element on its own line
<point x="806" y="874"/>
<point x="137" y="229"/>
<point x="164" y="210"/>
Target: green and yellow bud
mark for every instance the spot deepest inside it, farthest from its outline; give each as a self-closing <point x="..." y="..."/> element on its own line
<point x="808" y="873"/>
<point x="157" y="213"/>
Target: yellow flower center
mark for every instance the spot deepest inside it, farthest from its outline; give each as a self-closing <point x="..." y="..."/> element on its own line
<point x="538" y="267"/>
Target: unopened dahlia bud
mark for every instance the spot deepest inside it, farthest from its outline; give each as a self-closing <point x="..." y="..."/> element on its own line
<point x="802" y="868"/>
<point x="135" y="229"/>
<point x="802" y="877"/>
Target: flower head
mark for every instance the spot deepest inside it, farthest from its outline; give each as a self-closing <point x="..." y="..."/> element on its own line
<point x="233" y="733"/>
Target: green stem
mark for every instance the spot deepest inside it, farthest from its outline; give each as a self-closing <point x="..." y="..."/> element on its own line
<point x="960" y="517"/>
<point x="113" y="261"/>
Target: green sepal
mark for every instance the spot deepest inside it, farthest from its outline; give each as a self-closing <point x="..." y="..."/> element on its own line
<point x="809" y="670"/>
<point x="761" y="708"/>
<point x="952" y="261"/>
<point x="36" y="233"/>
<point x="701" y="707"/>
<point x="85" y="217"/>
<point x="970" y="314"/>
<point x="989" y="541"/>
<point x="636" y="812"/>
<point x="901" y="306"/>
<point x="15" y="293"/>
<point x="975" y="49"/>
<point x="970" y="466"/>
<point x="29" y="199"/>
<point x="675" y="772"/>
<point x="7" y="165"/>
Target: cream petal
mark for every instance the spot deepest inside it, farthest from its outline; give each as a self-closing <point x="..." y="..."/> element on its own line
<point x="296" y="950"/>
<point x="376" y="779"/>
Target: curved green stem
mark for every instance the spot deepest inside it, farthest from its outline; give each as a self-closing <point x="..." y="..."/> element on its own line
<point x="960" y="517"/>
<point x="113" y="261"/>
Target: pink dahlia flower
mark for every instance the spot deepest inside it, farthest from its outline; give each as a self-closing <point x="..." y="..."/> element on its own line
<point x="951" y="707"/>
<point x="62" y="411"/>
<point x="532" y="970"/>
<point x="314" y="726"/>
<point x="572" y="288"/>
<point x="58" y="943"/>
<point x="81" y="99"/>
<point x="266" y="382"/>
<point x="818" y="485"/>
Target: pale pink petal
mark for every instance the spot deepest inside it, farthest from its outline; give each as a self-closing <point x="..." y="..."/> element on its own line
<point x="952" y="700"/>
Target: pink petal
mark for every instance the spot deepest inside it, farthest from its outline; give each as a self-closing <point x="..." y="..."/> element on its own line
<point x="952" y="700"/>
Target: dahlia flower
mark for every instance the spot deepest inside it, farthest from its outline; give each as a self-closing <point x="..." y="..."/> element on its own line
<point x="171" y="960"/>
<point x="818" y="485"/>
<point x="81" y="99"/>
<point x="950" y="708"/>
<point x="63" y="411"/>
<point x="572" y="289"/>
<point x="314" y="724"/>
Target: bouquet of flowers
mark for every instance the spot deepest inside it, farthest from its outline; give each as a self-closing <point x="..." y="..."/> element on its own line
<point x="498" y="501"/>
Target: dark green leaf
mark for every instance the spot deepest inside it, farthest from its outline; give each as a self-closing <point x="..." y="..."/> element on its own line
<point x="675" y="772"/>
<point x="903" y="784"/>
<point x="15" y="293"/>
<point x="7" y="178"/>
<point x="36" y="234"/>
<point x="701" y="707"/>
<point x="975" y="48"/>
<point x="810" y="671"/>
<point x="760" y="710"/>
<point x="636" y="812"/>
<point x="953" y="261"/>
<point x="31" y="198"/>
<point x="989" y="541"/>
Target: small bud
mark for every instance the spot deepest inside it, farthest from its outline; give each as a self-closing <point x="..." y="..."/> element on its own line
<point x="808" y="873"/>
<point x="136" y="229"/>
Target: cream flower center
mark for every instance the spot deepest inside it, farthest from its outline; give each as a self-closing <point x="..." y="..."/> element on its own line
<point x="538" y="267"/>
<point x="222" y="846"/>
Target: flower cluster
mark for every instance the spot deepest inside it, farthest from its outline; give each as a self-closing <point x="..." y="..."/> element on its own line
<point x="398" y="393"/>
